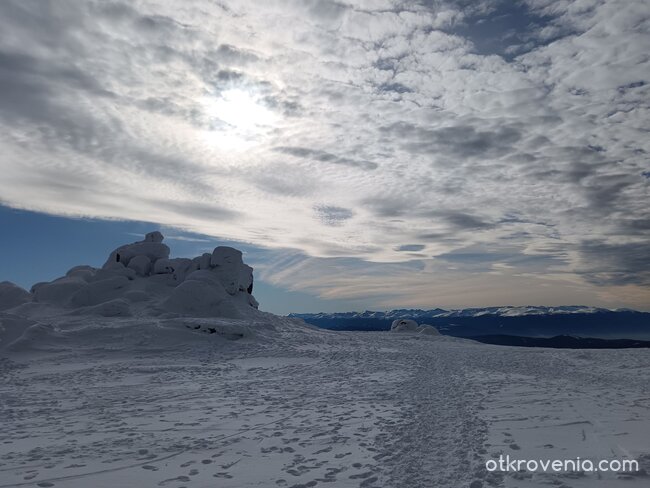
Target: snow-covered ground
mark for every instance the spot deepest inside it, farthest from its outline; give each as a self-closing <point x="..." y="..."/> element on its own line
<point x="139" y="402"/>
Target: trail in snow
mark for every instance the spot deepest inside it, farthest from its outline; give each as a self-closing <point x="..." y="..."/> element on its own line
<point x="298" y="407"/>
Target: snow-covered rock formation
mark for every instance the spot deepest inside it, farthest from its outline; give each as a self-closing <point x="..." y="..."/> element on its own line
<point x="426" y="329"/>
<point x="408" y="325"/>
<point x="404" y="325"/>
<point x="141" y="279"/>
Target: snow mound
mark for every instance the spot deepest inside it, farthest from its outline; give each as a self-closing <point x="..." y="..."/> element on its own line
<point x="12" y="295"/>
<point x="426" y="329"/>
<point x="404" y="325"/>
<point x="408" y="325"/>
<point x="121" y="335"/>
<point x="141" y="279"/>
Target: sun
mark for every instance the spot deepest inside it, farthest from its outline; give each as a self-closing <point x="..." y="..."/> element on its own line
<point x="238" y="118"/>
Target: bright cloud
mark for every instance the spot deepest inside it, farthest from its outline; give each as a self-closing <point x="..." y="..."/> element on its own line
<point x="414" y="140"/>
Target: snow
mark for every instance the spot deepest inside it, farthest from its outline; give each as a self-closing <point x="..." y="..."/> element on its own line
<point x="427" y="329"/>
<point x="198" y="298"/>
<point x="141" y="264"/>
<point x="141" y="279"/>
<point x="408" y="325"/>
<point x="404" y="325"/>
<point x="11" y="295"/>
<point x="230" y="267"/>
<point x="179" y="381"/>
<point x="59" y="291"/>
<point x="163" y="266"/>
<point x="99" y="291"/>
<point x="201" y="402"/>
<point x="151" y="246"/>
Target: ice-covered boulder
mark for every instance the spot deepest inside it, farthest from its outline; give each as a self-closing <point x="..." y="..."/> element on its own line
<point x="251" y="301"/>
<point x="205" y="276"/>
<point x="181" y="265"/>
<point x="201" y="299"/>
<point x="141" y="264"/>
<point x="151" y="247"/>
<point x="427" y="329"/>
<point x="113" y="269"/>
<point x="404" y="325"/>
<point x="154" y="236"/>
<point x="12" y="295"/>
<point x="204" y="260"/>
<point x="99" y="291"/>
<point x="84" y="272"/>
<point x="408" y="325"/>
<point x="59" y="291"/>
<point x="177" y="268"/>
<point x="246" y="279"/>
<point x="224" y="256"/>
<point x="163" y="266"/>
<point x="228" y="264"/>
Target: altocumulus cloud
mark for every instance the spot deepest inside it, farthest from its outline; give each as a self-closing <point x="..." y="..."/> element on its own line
<point x="431" y="130"/>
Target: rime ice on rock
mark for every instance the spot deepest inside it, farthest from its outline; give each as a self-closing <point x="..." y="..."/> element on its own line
<point x="151" y="247"/>
<point x="154" y="236"/>
<point x="141" y="265"/>
<point x="142" y="277"/>
<point x="227" y="263"/>
<point x="404" y="325"/>
<point x="427" y="329"/>
<point x="163" y="266"/>
<point x="408" y="325"/>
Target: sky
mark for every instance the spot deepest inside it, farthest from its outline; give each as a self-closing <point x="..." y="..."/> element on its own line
<point x="364" y="155"/>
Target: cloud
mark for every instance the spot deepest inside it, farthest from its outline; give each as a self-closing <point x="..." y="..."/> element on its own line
<point x="513" y="131"/>
<point x="616" y="263"/>
<point x="325" y="157"/>
<point x="460" y="220"/>
<point x="410" y="247"/>
<point x="332" y="215"/>
<point x="460" y="141"/>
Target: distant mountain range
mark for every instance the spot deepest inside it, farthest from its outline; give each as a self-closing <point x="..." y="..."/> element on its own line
<point x="562" y="342"/>
<point x="527" y="321"/>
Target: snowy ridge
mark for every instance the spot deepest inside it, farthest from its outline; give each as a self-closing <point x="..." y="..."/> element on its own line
<point x="531" y="321"/>
<point x="505" y="311"/>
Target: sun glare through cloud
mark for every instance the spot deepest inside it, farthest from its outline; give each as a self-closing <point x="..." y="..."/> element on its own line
<point x="238" y="118"/>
